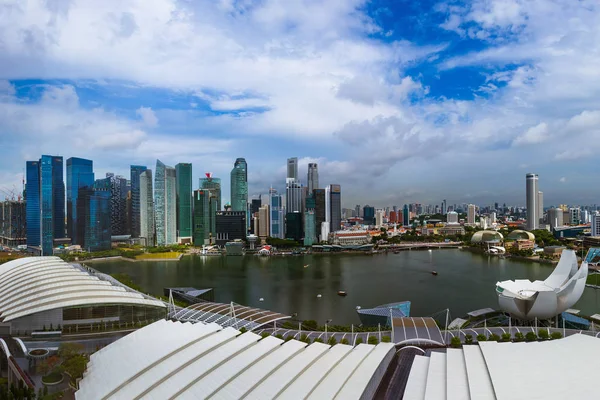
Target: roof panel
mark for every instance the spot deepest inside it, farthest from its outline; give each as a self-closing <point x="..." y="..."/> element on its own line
<point x="436" y="377"/>
<point x="480" y="385"/>
<point x="457" y="385"/>
<point x="417" y="379"/>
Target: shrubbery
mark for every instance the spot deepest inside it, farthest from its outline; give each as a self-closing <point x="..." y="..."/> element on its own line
<point x="455" y="342"/>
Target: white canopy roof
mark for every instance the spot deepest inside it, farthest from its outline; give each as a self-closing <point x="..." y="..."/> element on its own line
<point x="35" y="284"/>
<point x="195" y="361"/>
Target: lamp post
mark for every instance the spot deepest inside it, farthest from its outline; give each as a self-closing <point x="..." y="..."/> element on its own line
<point x="327" y="322"/>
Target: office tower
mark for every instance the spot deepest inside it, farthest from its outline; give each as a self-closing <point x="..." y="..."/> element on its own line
<point x="540" y="207"/>
<point x="444" y="207"/>
<point x="239" y="185"/>
<point x="255" y="205"/>
<point x="313" y="177"/>
<point x="452" y="217"/>
<point x="335" y="208"/>
<point x="574" y="216"/>
<point x="276" y="219"/>
<point x="357" y="211"/>
<point x="471" y="212"/>
<point x="183" y="171"/>
<point x="368" y="215"/>
<point x="230" y="225"/>
<point x="80" y="174"/>
<point x="205" y="209"/>
<point x="379" y="218"/>
<point x="293" y="226"/>
<point x="13" y="225"/>
<point x="165" y="204"/>
<point x="214" y="185"/>
<point x="135" y="171"/>
<point x="531" y="194"/>
<point x="393" y="217"/>
<point x="493" y="217"/>
<point x="46" y="203"/>
<point x="264" y="222"/>
<point x="310" y="235"/>
<point x="147" y="229"/>
<point x="595" y="224"/>
<point x="118" y="204"/>
<point x="93" y="216"/>
<point x="320" y="216"/>
<point x="405" y="216"/>
<point x="293" y="195"/>
<point x="292" y="168"/>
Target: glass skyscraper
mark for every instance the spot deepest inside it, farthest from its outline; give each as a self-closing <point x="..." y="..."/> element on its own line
<point x="46" y="203"/>
<point x="184" y="200"/>
<point x="147" y="229"/>
<point x="165" y="204"/>
<point x="214" y="185"/>
<point x="80" y="174"/>
<point x="335" y="201"/>
<point x="205" y="209"/>
<point x="277" y="215"/>
<point x="239" y="185"/>
<point x="135" y="170"/>
<point x="95" y="211"/>
<point x="313" y="177"/>
<point x="119" y="188"/>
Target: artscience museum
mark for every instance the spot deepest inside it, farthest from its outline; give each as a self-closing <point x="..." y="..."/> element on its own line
<point x="528" y="300"/>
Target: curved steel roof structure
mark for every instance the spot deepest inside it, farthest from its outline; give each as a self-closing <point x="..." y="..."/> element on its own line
<point x="35" y="284"/>
<point x="520" y="235"/>
<point x="527" y="300"/>
<point x="169" y="359"/>
<point x="487" y="236"/>
<point x="234" y="315"/>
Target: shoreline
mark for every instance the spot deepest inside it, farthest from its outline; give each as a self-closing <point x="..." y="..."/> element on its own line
<point x="121" y="258"/>
<point x="548" y="263"/>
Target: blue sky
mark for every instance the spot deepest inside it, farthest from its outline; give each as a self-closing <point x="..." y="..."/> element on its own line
<point x="396" y="100"/>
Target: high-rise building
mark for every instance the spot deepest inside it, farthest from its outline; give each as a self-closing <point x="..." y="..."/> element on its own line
<point x="320" y="215"/>
<point x="452" y="217"/>
<point x="444" y="208"/>
<point x="183" y="171"/>
<point x="230" y="226"/>
<point x="540" y="206"/>
<point x="335" y="209"/>
<point x="292" y="168"/>
<point x="471" y="213"/>
<point x="255" y="205"/>
<point x="45" y="203"/>
<point x="313" y="177"/>
<point x="93" y="215"/>
<point x="205" y="210"/>
<point x="135" y="171"/>
<point x="239" y="185"/>
<point x="379" y="218"/>
<point x="80" y="174"/>
<point x="357" y="211"/>
<point x="13" y="225"/>
<point x="118" y="204"/>
<point x="531" y="194"/>
<point x="263" y="222"/>
<point x="405" y="215"/>
<point x="574" y="215"/>
<point x="293" y="195"/>
<point x="147" y="222"/>
<point x="165" y="204"/>
<point x="596" y="224"/>
<point x="310" y="236"/>
<point x="276" y="220"/>
<point x="293" y="225"/>
<point x="368" y="215"/>
<point x="214" y="185"/>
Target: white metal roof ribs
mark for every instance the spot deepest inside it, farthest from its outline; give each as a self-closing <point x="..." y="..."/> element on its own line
<point x="480" y="385"/>
<point x="436" y="377"/>
<point x="68" y="279"/>
<point x="457" y="384"/>
<point x="417" y="379"/>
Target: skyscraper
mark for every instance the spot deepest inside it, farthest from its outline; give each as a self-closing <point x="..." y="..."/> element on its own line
<point x="555" y="217"/>
<point x="165" y="204"/>
<point x="135" y="171"/>
<point x="118" y="204"/>
<point x="540" y="205"/>
<point x="293" y="195"/>
<point x="230" y="225"/>
<point x="531" y="193"/>
<point x="471" y="212"/>
<point x="205" y="208"/>
<point x="313" y="177"/>
<point x="147" y="228"/>
<point x="335" y="208"/>
<point x="405" y="216"/>
<point x="368" y="215"/>
<point x="45" y="203"/>
<point x="93" y="211"/>
<point x="444" y="207"/>
<point x="292" y="168"/>
<point x="239" y="185"/>
<point x="80" y="174"/>
<point x="214" y="185"/>
<point x="264" y="222"/>
<point x="320" y="216"/>
<point x="310" y="235"/>
<point x="184" y="202"/>
<point x="276" y="219"/>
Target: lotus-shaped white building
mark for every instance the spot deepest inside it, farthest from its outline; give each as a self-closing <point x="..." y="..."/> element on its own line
<point x="527" y="300"/>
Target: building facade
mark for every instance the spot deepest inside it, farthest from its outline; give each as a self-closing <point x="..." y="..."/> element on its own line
<point x="555" y="217"/>
<point x="595" y="224"/>
<point x="292" y="168"/>
<point x="310" y="234"/>
<point x="205" y="209"/>
<point x="165" y="204"/>
<point x="230" y="225"/>
<point x="239" y="185"/>
<point x="335" y="208"/>
<point x="80" y="174"/>
<point x="293" y="195"/>
<point x="118" y="203"/>
<point x="276" y="220"/>
<point x="313" y="177"/>
<point x="147" y="222"/>
<point x="13" y="225"/>
<point x="405" y="216"/>
<point x="452" y="217"/>
<point x="183" y="171"/>
<point x="471" y="214"/>
<point x="293" y="226"/>
<point x="214" y="185"/>
<point x="320" y="211"/>
<point x="264" y="222"/>
<point x="531" y="194"/>
<point x="368" y="215"/>
<point x="134" y="215"/>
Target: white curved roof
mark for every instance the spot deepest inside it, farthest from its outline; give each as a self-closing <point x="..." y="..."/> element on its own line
<point x="35" y="284"/>
<point x="209" y="361"/>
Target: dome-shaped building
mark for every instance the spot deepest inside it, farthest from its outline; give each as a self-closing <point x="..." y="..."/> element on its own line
<point x="487" y="237"/>
<point x="520" y="235"/>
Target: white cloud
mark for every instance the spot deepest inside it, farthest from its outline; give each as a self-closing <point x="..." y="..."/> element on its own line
<point x="148" y="117"/>
<point x="563" y="180"/>
<point x="534" y="135"/>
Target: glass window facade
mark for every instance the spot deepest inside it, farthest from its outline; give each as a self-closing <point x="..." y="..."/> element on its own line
<point x="184" y="199"/>
<point x="79" y="174"/>
<point x="58" y="198"/>
<point x="320" y="217"/>
<point x="214" y="184"/>
<point x="230" y="225"/>
<point x="368" y="215"/>
<point x="239" y="185"/>
<point x="293" y="226"/>
<point x="276" y="220"/>
<point x="147" y="208"/>
<point x="205" y="208"/>
<point x="335" y="193"/>
<point x="165" y="204"/>
<point x="32" y="193"/>
<point x="135" y="171"/>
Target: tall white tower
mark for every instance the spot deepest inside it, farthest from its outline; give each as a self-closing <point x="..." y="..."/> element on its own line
<point x="531" y="194"/>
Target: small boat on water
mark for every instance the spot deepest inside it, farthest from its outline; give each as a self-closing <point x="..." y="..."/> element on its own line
<point x="342" y="293"/>
<point x="307" y="265"/>
<point x="434" y="273"/>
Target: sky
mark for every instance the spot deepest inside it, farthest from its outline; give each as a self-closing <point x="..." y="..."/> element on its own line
<point x="396" y="100"/>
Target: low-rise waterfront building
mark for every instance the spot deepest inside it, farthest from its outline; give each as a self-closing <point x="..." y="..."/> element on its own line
<point x="351" y="238"/>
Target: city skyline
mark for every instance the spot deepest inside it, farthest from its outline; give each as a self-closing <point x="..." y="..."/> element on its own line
<point x="364" y="91"/>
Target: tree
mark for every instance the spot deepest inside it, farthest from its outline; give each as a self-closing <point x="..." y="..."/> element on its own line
<point x="373" y="340"/>
<point x="279" y="336"/>
<point x="265" y="334"/>
<point x="481" y="338"/>
<point x="455" y="342"/>
<point x="304" y="338"/>
<point x="556" y="335"/>
<point x="505" y="337"/>
<point x="359" y="340"/>
<point x="332" y="341"/>
<point x="344" y="341"/>
<point x="386" y="339"/>
<point x="543" y="334"/>
<point x="310" y="324"/>
<point x="243" y="330"/>
<point x="531" y="337"/>
<point x="75" y="366"/>
<point x="318" y="340"/>
<point x="468" y="339"/>
<point x="67" y="350"/>
<point x="494" y="338"/>
<point x="519" y="337"/>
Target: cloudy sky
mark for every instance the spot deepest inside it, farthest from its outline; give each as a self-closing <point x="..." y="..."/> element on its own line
<point x="396" y="100"/>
